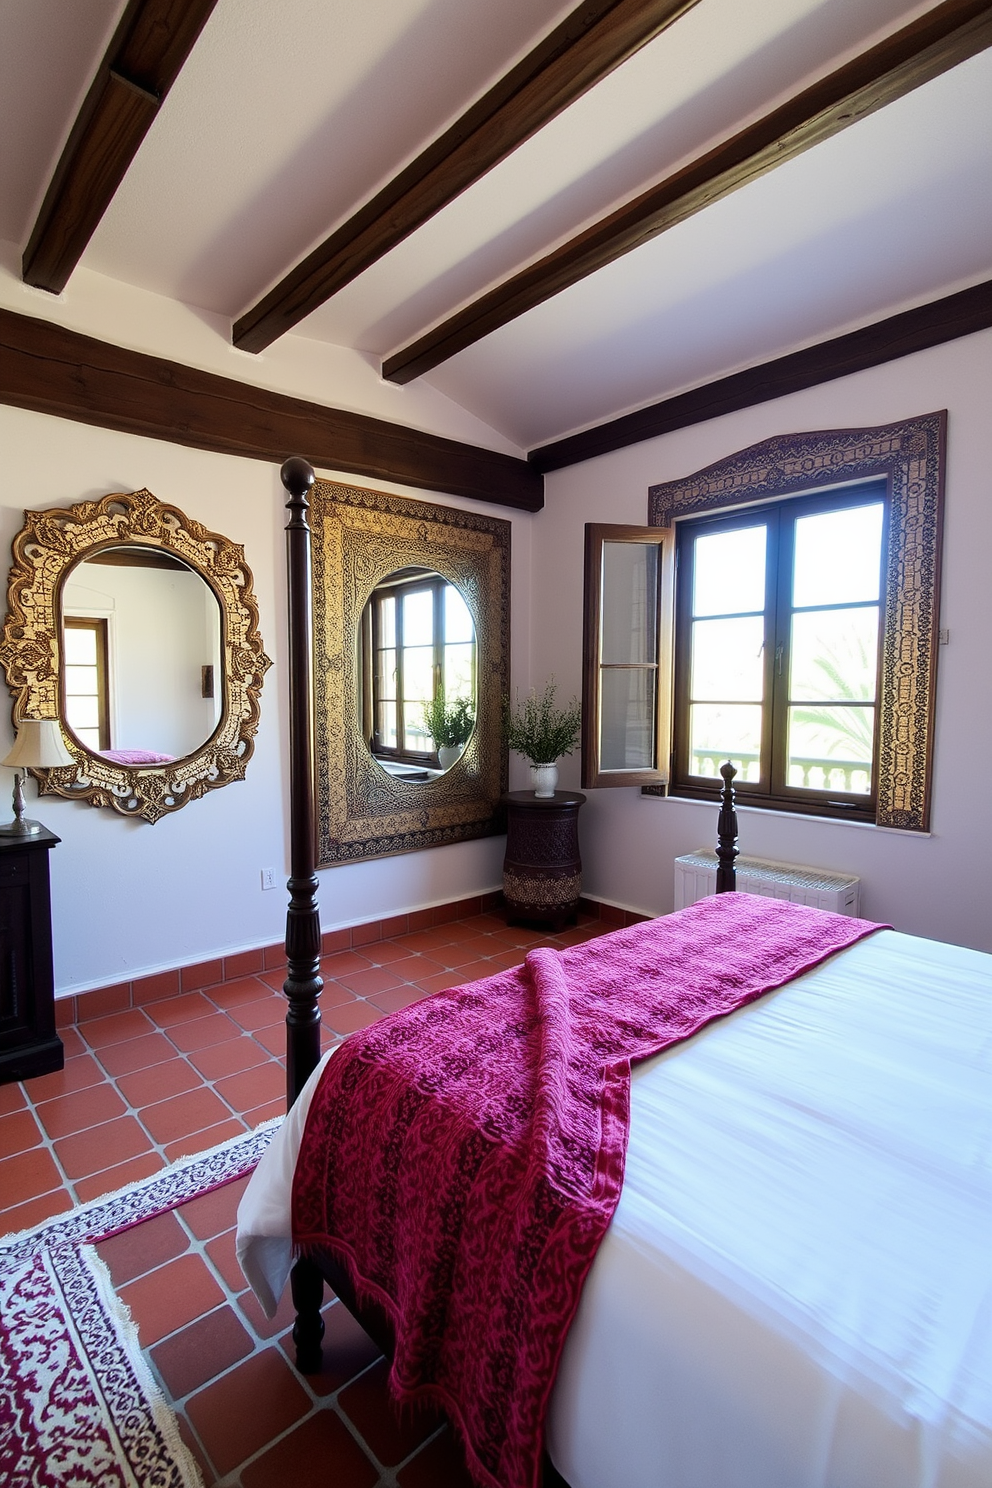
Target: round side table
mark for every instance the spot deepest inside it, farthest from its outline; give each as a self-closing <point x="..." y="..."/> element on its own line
<point x="542" y="871"/>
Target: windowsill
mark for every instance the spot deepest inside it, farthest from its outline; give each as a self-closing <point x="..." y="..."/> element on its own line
<point x="803" y="816"/>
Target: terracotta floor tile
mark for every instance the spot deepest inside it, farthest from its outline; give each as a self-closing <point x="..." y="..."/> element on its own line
<point x="202" y="1141"/>
<point x="192" y="1442"/>
<point x="272" y="1040"/>
<point x="254" y="1087"/>
<point x="515" y="935"/>
<point x="228" y="1058"/>
<point x="391" y="1435"/>
<point x="101" y="1146"/>
<point x="158" y="1083"/>
<point x="205" y="1348"/>
<point x="419" y="967"/>
<point x="27" y="1175"/>
<point x="264" y="1327"/>
<point x="215" y="1212"/>
<point x="72" y="1043"/>
<point x="143" y="1247"/>
<point x="12" y="1097"/>
<point x="426" y="940"/>
<point x="34" y="1212"/>
<point x="116" y="1177"/>
<point x="183" y="1114"/>
<point x="343" y="963"/>
<point x="441" y="982"/>
<point x="77" y="1073"/>
<point x="441" y="1464"/>
<point x="315" y="1454"/>
<point x="135" y="1054"/>
<point x="385" y="952"/>
<point x="170" y="1297"/>
<point x="475" y="971"/>
<point x="99" y="1033"/>
<point x="83" y="1108"/>
<point x="240" y="1412"/>
<point x="261" y="1013"/>
<point x="203" y="1032"/>
<point x="335" y="994"/>
<point x="482" y="924"/>
<point x="222" y="1256"/>
<point x="367" y="983"/>
<point x="183" y="1009"/>
<point x="18" y="1132"/>
<point x="348" y="1350"/>
<point x="507" y="960"/>
<point x="349" y="1019"/>
<point x="233" y="994"/>
<point x="481" y="946"/>
<point x="397" y="997"/>
<point x="259" y="1114"/>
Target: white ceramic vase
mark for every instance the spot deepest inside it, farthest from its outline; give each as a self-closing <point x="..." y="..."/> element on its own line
<point x="544" y="779"/>
<point x="447" y="754"/>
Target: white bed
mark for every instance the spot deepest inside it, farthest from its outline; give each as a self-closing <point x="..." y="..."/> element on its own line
<point x="796" y="1289"/>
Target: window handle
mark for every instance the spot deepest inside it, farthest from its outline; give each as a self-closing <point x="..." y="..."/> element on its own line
<point x="778" y="659"/>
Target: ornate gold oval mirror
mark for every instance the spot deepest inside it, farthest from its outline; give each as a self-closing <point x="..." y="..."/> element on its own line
<point x="138" y="629"/>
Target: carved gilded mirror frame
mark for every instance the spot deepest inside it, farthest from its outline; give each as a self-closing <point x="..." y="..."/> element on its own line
<point x="45" y="551"/>
<point x="359" y="538"/>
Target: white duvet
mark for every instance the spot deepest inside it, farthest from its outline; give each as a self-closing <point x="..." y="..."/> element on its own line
<point x="796" y="1289"/>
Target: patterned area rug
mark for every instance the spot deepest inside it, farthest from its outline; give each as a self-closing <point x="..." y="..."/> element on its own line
<point x="78" y="1405"/>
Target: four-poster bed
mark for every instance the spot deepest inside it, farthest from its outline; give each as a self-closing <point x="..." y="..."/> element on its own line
<point x="794" y="1289"/>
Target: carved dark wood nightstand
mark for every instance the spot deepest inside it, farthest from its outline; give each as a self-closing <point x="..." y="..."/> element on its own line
<point x="29" y="1044"/>
<point x="542" y="871"/>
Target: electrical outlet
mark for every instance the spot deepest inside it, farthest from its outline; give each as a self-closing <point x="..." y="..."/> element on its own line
<point x="268" y="878"/>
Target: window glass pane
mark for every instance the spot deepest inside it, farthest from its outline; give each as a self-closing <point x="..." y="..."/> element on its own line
<point x="729" y="572"/>
<point x="387" y="673"/>
<point x="834" y="655"/>
<point x="80" y="681"/>
<point x="89" y="737"/>
<point x="415" y="735"/>
<point x="418" y="618"/>
<point x="82" y="713"/>
<point x="629" y="622"/>
<point x="387" y="725"/>
<point x="830" y="748"/>
<point x="721" y="732"/>
<point x="457" y="620"/>
<point x="79" y="646"/>
<point x="458" y="681"/>
<point x="728" y="660"/>
<point x="387" y="622"/>
<point x="418" y="673"/>
<point x="838" y="556"/>
<point x="627" y="712"/>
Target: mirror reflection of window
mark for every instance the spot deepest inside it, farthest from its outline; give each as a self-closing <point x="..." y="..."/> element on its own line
<point x="161" y="627"/>
<point x="418" y="642"/>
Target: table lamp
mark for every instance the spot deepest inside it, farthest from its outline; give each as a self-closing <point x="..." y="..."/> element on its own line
<point x="38" y="745"/>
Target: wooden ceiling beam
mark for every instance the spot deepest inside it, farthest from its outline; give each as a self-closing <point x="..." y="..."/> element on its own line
<point x="49" y="369"/>
<point x="143" y="60"/>
<point x="939" y="40"/>
<point x="593" y="40"/>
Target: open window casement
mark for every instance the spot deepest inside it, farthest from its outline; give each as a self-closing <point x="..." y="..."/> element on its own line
<point x="627" y="655"/>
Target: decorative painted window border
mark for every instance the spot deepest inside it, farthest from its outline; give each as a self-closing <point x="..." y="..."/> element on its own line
<point x="910" y="456"/>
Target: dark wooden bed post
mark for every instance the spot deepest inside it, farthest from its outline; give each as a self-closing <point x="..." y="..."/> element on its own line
<point x="726" y="832"/>
<point x="303" y="982"/>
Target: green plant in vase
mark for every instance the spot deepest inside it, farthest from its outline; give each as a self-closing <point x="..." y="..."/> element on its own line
<point x="449" y="725"/>
<point x="542" y="733"/>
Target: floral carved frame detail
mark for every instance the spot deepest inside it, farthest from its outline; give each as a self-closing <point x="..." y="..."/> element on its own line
<point x="360" y="537"/>
<point x="910" y="457"/>
<point x="48" y="546"/>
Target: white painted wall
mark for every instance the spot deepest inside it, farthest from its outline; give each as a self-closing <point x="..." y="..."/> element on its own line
<point x="935" y="885"/>
<point x="130" y="898"/>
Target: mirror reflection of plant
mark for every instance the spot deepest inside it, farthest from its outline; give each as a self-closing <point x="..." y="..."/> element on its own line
<point x="538" y="730"/>
<point x="449" y="724"/>
<point x="842" y="729"/>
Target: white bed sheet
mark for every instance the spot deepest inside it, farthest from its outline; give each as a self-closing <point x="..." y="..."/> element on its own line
<point x="796" y="1289"/>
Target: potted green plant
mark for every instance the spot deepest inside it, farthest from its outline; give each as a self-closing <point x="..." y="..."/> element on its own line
<point x="542" y="733"/>
<point x="449" y="725"/>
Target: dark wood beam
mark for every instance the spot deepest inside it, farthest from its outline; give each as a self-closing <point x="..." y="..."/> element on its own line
<point x="921" y="51"/>
<point x="594" y="39"/>
<point x="899" y="335"/>
<point x="51" y="370"/>
<point x="143" y="60"/>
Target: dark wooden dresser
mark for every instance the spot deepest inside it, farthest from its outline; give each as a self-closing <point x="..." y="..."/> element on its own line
<point x="542" y="872"/>
<point x="29" y="1044"/>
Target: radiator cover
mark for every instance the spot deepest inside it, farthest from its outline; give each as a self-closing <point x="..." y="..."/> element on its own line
<point x="695" y="877"/>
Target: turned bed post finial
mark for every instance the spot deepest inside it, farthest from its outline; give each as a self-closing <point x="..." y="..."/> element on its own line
<point x="303" y="983"/>
<point x="726" y="832"/>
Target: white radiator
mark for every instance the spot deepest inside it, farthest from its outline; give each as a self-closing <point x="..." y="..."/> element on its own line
<point x="695" y="877"/>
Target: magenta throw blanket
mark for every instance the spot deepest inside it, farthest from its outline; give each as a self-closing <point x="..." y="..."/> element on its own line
<point x="463" y="1158"/>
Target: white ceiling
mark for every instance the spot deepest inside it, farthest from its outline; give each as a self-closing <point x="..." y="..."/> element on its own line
<point x="287" y="116"/>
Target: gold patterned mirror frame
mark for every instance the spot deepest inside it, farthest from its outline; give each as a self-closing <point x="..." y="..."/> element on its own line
<point x="47" y="548"/>
<point x="359" y="538"/>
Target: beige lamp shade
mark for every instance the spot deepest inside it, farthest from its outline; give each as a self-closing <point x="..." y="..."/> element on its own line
<point x="38" y="746"/>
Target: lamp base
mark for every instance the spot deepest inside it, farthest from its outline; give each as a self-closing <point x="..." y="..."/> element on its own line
<point x="20" y="827"/>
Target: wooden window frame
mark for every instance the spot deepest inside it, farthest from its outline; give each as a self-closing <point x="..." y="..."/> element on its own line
<point x="594" y="776"/>
<point x="98" y="625"/>
<point x="773" y="790"/>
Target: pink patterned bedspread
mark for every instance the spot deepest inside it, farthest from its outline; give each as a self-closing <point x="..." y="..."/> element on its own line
<point x="136" y="757"/>
<point x="463" y="1157"/>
